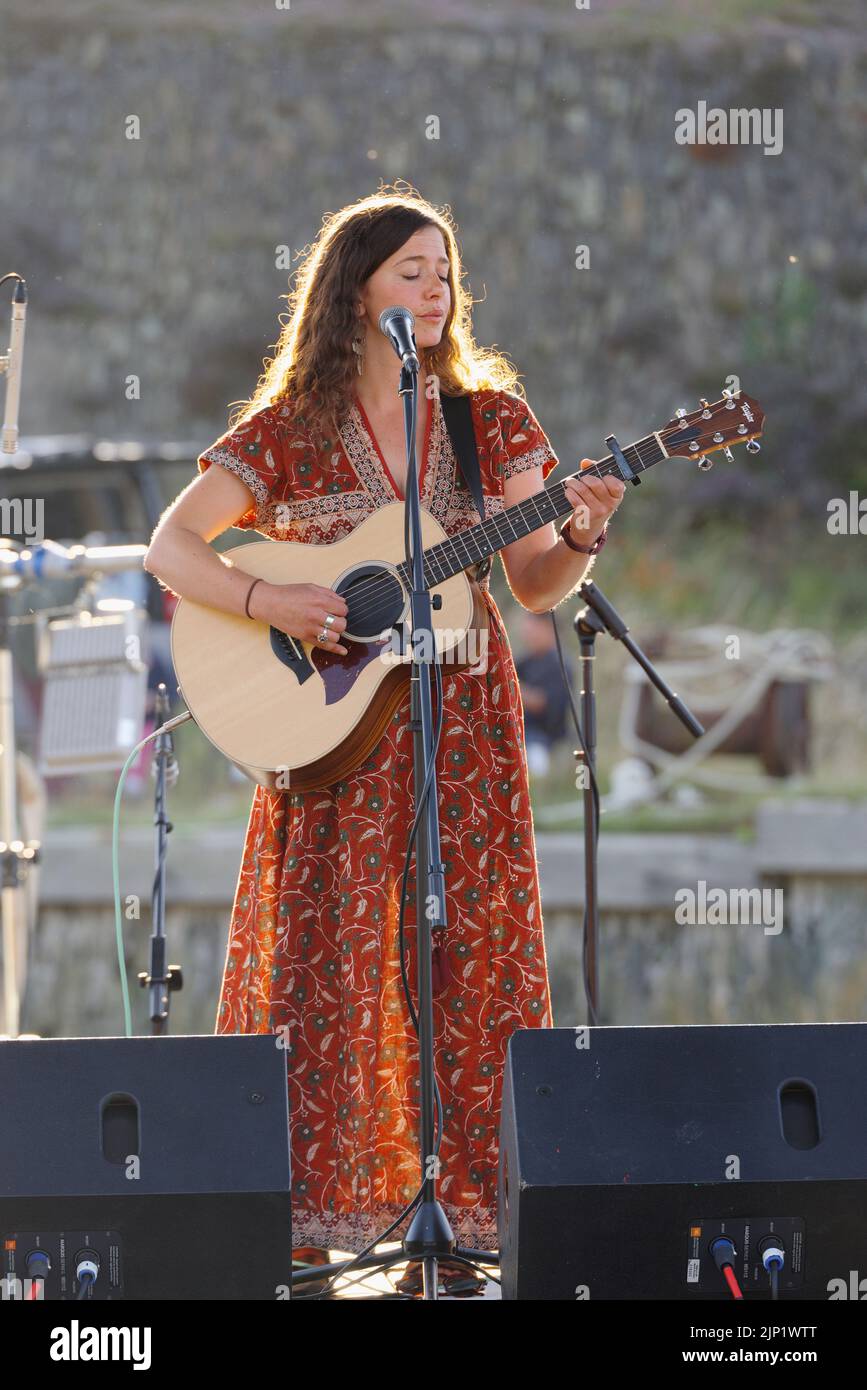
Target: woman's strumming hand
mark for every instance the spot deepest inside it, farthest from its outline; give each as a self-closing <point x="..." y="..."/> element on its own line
<point x="594" y="500"/>
<point x="300" y="611"/>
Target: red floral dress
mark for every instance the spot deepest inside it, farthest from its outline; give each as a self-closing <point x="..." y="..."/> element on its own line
<point x="313" y="937"/>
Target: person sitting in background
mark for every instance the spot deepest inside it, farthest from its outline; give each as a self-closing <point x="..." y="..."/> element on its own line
<point x="542" y="691"/>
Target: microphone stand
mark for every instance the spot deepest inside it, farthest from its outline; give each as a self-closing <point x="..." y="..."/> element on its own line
<point x="430" y="1235"/>
<point x="160" y="982"/>
<point x="601" y="616"/>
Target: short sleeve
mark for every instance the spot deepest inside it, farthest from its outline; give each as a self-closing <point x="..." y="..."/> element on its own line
<point x="525" y="443"/>
<point x="252" y="450"/>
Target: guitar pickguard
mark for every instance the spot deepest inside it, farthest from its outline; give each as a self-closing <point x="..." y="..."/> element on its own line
<point x="338" y="672"/>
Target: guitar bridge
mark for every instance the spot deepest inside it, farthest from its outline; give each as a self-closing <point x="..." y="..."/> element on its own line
<point x="291" y="653"/>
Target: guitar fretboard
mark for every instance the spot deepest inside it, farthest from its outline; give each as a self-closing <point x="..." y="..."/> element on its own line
<point x="448" y="557"/>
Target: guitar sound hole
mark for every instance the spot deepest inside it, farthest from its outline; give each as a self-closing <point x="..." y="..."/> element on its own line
<point x="375" y="599"/>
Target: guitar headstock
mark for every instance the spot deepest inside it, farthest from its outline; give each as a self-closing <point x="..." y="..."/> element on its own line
<point x="734" y="419"/>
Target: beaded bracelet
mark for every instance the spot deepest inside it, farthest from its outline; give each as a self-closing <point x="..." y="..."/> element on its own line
<point x="593" y="549"/>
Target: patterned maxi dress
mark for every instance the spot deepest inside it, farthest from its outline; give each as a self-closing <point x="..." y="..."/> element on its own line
<point x="313" y="937"/>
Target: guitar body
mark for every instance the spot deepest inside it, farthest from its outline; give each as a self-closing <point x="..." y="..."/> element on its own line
<point x="290" y="714"/>
<point x="296" y="717"/>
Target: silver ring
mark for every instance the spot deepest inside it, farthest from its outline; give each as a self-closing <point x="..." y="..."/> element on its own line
<point x="323" y="635"/>
<point x="330" y="619"/>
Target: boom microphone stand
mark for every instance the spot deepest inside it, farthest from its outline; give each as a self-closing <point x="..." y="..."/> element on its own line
<point x="601" y="616"/>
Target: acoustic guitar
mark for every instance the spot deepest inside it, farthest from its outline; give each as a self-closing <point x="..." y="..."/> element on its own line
<point x="296" y="717"/>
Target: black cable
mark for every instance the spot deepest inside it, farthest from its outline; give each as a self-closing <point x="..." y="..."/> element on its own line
<point x="453" y="1258"/>
<point x="425" y="792"/>
<point x="377" y="1240"/>
<point x="383" y="1236"/>
<point x="438" y="1128"/>
<point x="773" y="1255"/>
<point x="351" y="1283"/>
<point x="474" y="1264"/>
<point x="594" y="785"/>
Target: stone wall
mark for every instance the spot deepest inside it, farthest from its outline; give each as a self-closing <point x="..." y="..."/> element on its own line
<point x="654" y="969"/>
<point x="155" y="257"/>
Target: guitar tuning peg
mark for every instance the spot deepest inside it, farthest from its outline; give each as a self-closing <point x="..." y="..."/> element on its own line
<point x="753" y="446"/>
<point x="705" y="463"/>
<point x="728" y="453"/>
<point x="680" y="413"/>
<point x="702" y="400"/>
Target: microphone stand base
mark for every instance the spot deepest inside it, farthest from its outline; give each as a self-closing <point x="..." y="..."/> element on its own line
<point x="429" y="1233"/>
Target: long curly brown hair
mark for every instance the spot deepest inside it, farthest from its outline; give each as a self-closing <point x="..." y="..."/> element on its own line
<point x="314" y="367"/>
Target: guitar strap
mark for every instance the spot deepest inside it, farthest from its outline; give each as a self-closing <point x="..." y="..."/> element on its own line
<point x="457" y="414"/>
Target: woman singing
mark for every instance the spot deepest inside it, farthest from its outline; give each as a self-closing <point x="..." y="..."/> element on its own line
<point x="313" y="938"/>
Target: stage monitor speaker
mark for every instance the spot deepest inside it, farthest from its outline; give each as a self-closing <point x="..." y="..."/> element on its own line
<point x="624" y="1152"/>
<point x="161" y="1161"/>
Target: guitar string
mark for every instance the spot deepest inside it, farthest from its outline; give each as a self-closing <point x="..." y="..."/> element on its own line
<point x="377" y="585"/>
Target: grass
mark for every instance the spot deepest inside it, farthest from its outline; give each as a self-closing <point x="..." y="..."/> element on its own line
<point x="719" y="813"/>
<point x="661" y="578"/>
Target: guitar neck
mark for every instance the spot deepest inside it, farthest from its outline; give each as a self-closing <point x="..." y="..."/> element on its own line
<point x="487" y="537"/>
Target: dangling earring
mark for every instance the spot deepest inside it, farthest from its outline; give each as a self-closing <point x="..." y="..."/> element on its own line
<point x="358" y="348"/>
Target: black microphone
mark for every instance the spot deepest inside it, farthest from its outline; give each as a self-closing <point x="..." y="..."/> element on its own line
<point x="397" y="323"/>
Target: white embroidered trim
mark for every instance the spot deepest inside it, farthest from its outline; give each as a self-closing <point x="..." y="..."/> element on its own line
<point x="297" y="517"/>
<point x="311" y="520"/>
<point x="361" y="452"/>
<point x="331" y="1231"/>
<point x="540" y="455"/>
<point x="247" y="474"/>
<point x="439" y="474"/>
